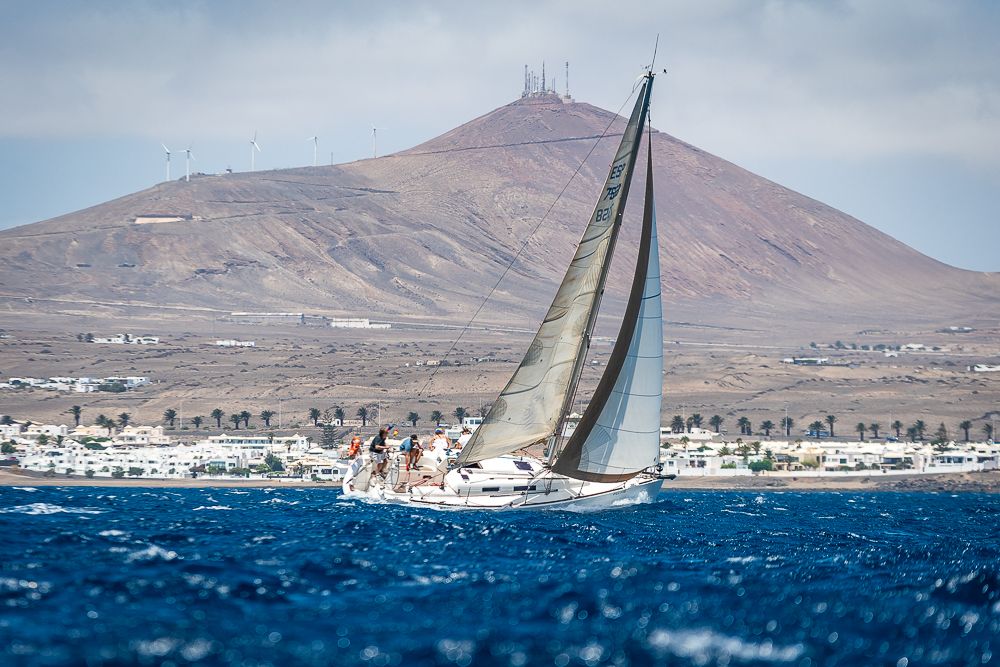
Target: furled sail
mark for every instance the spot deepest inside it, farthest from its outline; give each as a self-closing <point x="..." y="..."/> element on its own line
<point x="530" y="407"/>
<point x="619" y="433"/>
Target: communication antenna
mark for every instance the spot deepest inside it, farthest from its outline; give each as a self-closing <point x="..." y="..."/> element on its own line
<point x="567" y="78"/>
<point x="543" y="76"/>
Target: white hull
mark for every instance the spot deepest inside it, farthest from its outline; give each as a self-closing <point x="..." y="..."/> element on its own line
<point x="502" y="483"/>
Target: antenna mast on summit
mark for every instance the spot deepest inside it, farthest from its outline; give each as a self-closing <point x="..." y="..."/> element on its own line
<point x="543" y="77"/>
<point x="567" y="78"/>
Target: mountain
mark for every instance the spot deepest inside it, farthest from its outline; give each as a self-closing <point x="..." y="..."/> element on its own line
<point x="428" y="232"/>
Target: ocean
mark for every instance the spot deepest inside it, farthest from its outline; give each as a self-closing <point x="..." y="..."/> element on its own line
<point x="145" y="576"/>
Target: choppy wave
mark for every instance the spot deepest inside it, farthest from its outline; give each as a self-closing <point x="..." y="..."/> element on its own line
<point x="304" y="576"/>
<point x="48" y="508"/>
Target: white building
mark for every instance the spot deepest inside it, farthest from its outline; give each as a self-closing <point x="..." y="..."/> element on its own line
<point x="356" y="323"/>
<point x="235" y="343"/>
<point x="142" y="436"/>
<point x="127" y="339"/>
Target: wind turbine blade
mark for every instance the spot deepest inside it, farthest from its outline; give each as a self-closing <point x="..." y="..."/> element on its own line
<point x="165" y="148"/>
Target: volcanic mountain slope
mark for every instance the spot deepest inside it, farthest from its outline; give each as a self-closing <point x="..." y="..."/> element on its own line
<point x="428" y="232"/>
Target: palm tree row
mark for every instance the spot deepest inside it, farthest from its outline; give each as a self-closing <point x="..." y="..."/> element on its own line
<point x="816" y="428"/>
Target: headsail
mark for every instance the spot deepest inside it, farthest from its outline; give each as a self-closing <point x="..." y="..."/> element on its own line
<point x="619" y="433"/>
<point x="530" y="407"/>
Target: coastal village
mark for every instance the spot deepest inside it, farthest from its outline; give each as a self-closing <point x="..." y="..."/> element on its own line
<point x="150" y="452"/>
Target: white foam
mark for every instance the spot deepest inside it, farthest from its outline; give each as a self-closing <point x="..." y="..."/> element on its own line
<point x="28" y="489"/>
<point x="112" y="533"/>
<point x="212" y="507"/>
<point x="47" y="508"/>
<point x="706" y="646"/>
<point x="741" y="559"/>
<point x="152" y="552"/>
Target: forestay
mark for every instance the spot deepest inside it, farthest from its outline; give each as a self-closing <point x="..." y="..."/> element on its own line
<point x="530" y="407"/>
<point x="619" y="433"/>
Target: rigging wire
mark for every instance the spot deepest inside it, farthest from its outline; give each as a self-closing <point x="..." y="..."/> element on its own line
<point x="524" y="245"/>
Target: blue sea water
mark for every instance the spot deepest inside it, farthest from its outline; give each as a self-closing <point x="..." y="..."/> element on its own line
<point x="303" y="576"/>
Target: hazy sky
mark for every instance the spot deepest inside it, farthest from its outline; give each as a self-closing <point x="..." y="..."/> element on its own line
<point x="887" y="110"/>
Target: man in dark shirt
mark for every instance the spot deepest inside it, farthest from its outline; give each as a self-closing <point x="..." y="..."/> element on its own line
<point x="379" y="449"/>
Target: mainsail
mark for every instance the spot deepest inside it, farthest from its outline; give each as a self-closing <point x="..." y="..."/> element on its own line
<point x="532" y="405"/>
<point x="619" y="433"/>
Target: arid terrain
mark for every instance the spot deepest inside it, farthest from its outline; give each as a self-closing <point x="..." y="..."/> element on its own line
<point x="295" y="368"/>
<point x="752" y="273"/>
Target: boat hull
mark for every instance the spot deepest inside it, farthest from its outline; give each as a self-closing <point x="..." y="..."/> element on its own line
<point x="537" y="488"/>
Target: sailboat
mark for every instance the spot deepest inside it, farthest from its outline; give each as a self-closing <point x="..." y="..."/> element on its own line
<point x="521" y="456"/>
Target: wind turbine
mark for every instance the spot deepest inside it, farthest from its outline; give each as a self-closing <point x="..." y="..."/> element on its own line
<point x="315" y="141"/>
<point x="167" y="150"/>
<point x="375" y="139"/>
<point x="253" y="147"/>
<point x="187" y="164"/>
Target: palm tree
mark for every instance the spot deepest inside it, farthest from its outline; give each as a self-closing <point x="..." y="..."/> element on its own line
<point x="767" y="425"/>
<point x="756" y="445"/>
<point x="169" y="416"/>
<point x="831" y="420"/>
<point x="920" y="427"/>
<point x="413" y="418"/>
<point x="339" y="414"/>
<point x="716" y="423"/>
<point x="76" y="411"/>
<point x="860" y="428"/>
<point x="459" y="414"/>
<point x="897" y="425"/>
<point x="874" y="426"/>
<point x="314" y="415"/>
<point x="197" y="421"/>
<point x="911" y="433"/>
<point x="689" y="423"/>
<point x="724" y="450"/>
<point x="124" y="418"/>
<point x="105" y="422"/>
<point x="817" y="428"/>
<point x="696" y="420"/>
<point x="265" y="416"/>
<point x="245" y="416"/>
<point x="677" y="424"/>
<point x="941" y="435"/>
<point x="965" y="426"/>
<point x="363" y="415"/>
<point x="217" y="415"/>
<point x="744" y="424"/>
<point x="236" y="419"/>
<point x="437" y="417"/>
<point x="988" y="431"/>
<point x="787" y="423"/>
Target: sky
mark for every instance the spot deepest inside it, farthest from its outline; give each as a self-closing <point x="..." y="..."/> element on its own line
<point x="888" y="110"/>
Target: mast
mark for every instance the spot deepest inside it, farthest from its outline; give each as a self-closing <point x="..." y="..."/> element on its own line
<point x="531" y="407"/>
<point x="584" y="349"/>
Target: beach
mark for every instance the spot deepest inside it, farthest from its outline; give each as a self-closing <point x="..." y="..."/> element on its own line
<point x="977" y="482"/>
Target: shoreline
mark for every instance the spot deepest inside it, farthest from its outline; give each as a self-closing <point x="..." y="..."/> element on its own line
<point x="26" y="478"/>
<point x="969" y="482"/>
